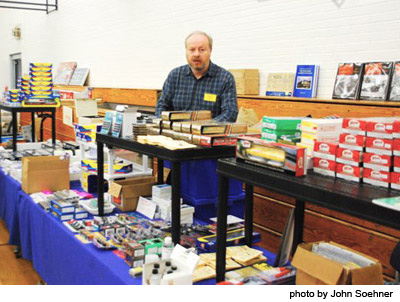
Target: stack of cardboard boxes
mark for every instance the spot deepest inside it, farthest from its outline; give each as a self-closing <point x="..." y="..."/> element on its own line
<point x="247" y="81"/>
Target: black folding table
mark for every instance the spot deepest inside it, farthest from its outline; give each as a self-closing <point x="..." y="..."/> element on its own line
<point x="174" y="156"/>
<point x="15" y="110"/>
<point x="333" y="193"/>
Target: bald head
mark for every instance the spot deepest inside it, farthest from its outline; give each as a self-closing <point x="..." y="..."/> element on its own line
<point x="199" y="34"/>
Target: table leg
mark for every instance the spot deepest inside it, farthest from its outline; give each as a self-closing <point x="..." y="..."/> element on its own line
<point x="33" y="126"/>
<point x="248" y="222"/>
<point x="176" y="202"/>
<point x="160" y="171"/>
<point x="222" y="212"/>
<point x="14" y="133"/>
<point x="298" y="224"/>
<point x="100" y="178"/>
<point x="1" y="128"/>
<point x="53" y="126"/>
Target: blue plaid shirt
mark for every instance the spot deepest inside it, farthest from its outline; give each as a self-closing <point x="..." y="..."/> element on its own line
<point x="215" y="91"/>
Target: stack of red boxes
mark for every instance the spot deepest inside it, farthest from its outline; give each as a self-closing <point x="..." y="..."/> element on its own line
<point x="324" y="158"/>
<point x="369" y="149"/>
<point x="395" y="175"/>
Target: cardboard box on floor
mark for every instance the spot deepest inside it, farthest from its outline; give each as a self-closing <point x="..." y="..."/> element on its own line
<point x="44" y="173"/>
<point x="313" y="269"/>
<point x="126" y="192"/>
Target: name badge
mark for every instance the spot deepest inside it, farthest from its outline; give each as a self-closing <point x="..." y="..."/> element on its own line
<point x="209" y="97"/>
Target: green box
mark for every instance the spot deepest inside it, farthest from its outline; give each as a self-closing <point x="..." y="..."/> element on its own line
<point x="281" y="123"/>
<point x="275" y="135"/>
<point x="152" y="246"/>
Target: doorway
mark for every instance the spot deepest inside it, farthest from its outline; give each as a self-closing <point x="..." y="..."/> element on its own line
<point x="16" y="69"/>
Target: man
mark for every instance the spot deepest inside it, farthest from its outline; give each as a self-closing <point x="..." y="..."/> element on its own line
<point x="200" y="85"/>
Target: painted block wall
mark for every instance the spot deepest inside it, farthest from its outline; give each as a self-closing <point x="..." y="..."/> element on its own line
<point x="134" y="44"/>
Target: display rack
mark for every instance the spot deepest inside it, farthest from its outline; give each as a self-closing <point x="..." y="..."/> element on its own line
<point x="138" y="170"/>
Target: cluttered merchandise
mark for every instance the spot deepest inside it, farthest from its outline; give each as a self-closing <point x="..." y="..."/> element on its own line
<point x="133" y="224"/>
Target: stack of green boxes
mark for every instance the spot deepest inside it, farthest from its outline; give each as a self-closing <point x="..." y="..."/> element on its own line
<point x="281" y="129"/>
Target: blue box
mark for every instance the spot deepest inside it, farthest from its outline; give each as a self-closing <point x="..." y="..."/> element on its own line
<point x="199" y="182"/>
<point x="206" y="211"/>
<point x="61" y="216"/>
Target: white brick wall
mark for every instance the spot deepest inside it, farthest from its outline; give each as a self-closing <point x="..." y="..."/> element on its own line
<point x="135" y="44"/>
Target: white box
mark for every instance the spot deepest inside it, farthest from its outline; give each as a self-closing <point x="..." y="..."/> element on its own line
<point x="87" y="113"/>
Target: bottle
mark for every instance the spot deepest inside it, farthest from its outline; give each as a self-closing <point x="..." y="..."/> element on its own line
<point x="167" y="248"/>
<point x="155" y="278"/>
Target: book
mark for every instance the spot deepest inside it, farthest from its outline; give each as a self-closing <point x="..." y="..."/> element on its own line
<point x="64" y="73"/>
<point x="280" y="84"/>
<point x="348" y="81"/>
<point x="306" y="81"/>
<point x="79" y="76"/>
<point x="389" y="202"/>
<point x="376" y="79"/>
<point x="395" y="83"/>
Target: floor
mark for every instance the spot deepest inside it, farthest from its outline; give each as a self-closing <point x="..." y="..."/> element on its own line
<point x="14" y="271"/>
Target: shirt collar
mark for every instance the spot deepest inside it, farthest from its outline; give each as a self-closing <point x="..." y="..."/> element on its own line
<point x="210" y="72"/>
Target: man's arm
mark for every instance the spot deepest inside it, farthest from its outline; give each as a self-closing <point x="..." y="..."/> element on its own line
<point x="164" y="103"/>
<point x="229" y="106"/>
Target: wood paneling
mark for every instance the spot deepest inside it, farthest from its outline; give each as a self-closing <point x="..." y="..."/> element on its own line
<point x="142" y="97"/>
<point x="269" y="239"/>
<point x="319" y="227"/>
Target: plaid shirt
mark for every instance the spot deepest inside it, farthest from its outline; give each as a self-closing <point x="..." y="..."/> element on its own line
<point x="215" y="91"/>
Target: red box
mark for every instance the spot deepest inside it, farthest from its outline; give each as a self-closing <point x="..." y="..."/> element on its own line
<point x="382" y="129"/>
<point x="379" y="162"/>
<point x="325" y="150"/>
<point x="396" y="129"/>
<point x="355" y="126"/>
<point x="396" y="164"/>
<point x="324" y="166"/>
<point x="376" y="178"/>
<point x="396" y="146"/>
<point x="352" y="141"/>
<point x="349" y="172"/>
<point x="349" y="157"/>
<point x="395" y="180"/>
<point x="379" y="145"/>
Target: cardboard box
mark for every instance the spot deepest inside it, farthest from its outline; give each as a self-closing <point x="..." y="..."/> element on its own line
<point x="396" y="164"/>
<point x="247" y="86"/>
<point x="324" y="166"/>
<point x="275" y="156"/>
<point x="325" y="150"/>
<point x="396" y="146"/>
<point x="352" y="141"/>
<point x="379" y="145"/>
<point x="126" y="192"/>
<point x="382" y="128"/>
<point x="376" y="178"/>
<point x="245" y="73"/>
<point x="349" y="157"/>
<point x="356" y="126"/>
<point x="314" y="269"/>
<point x="314" y="125"/>
<point x="395" y="180"/>
<point x="349" y="172"/>
<point x="378" y="162"/>
<point x="87" y="113"/>
<point x="41" y="173"/>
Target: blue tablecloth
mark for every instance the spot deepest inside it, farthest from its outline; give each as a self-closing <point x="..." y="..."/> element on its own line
<point x="57" y="256"/>
<point x="10" y="191"/>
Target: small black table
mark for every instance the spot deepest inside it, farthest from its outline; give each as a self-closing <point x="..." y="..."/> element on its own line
<point x="174" y="156"/>
<point x="15" y="110"/>
<point x="333" y="193"/>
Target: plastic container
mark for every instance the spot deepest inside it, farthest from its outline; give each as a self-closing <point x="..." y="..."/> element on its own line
<point x="167" y="248"/>
<point x="199" y="182"/>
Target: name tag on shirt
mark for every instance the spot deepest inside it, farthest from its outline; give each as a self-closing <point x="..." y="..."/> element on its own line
<point x="209" y="97"/>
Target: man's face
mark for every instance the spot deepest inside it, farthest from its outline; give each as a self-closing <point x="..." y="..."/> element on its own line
<point x="198" y="53"/>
